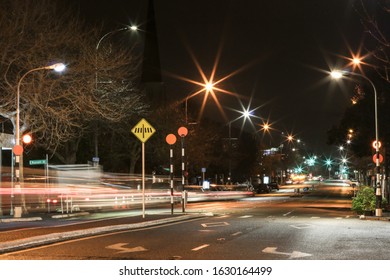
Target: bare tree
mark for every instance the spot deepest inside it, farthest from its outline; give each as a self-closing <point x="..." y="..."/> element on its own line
<point x="58" y="109"/>
<point x="375" y="16"/>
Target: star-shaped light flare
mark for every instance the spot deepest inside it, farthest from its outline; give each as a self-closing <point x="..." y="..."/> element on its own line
<point x="210" y="86"/>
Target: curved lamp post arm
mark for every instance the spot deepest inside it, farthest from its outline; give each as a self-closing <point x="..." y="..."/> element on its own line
<point x="339" y="74"/>
<point x="57" y="67"/>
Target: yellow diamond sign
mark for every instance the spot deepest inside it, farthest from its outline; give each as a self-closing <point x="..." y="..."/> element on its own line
<point x="143" y="130"/>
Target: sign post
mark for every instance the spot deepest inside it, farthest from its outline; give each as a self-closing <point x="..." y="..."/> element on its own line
<point x="183" y="131"/>
<point x="143" y="131"/>
<point x="171" y="139"/>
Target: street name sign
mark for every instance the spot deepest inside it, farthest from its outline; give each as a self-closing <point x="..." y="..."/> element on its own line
<point x="37" y="161"/>
<point x="143" y="130"/>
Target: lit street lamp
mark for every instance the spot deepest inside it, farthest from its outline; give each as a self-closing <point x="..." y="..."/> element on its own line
<point x="18" y="149"/>
<point x="246" y="114"/>
<point x="57" y="67"/>
<point x="207" y="87"/>
<point x="132" y="28"/>
<point x="338" y="75"/>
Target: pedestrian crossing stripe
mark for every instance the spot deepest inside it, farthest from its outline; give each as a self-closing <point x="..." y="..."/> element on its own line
<point x="143" y="130"/>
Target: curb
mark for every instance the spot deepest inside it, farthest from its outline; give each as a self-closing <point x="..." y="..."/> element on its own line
<point x="10" y="220"/>
<point x="51" y="238"/>
<point x="373" y="218"/>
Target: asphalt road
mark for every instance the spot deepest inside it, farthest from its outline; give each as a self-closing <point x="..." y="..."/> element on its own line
<point x="319" y="226"/>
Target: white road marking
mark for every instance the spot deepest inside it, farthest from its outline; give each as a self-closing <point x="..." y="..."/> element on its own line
<point x="288" y="213"/>
<point x="293" y="255"/>
<point x="200" y="247"/>
<point x="219" y="224"/>
<point x="301" y="226"/>
<point x="246" y="216"/>
<point x="120" y="247"/>
<point x="236" y="233"/>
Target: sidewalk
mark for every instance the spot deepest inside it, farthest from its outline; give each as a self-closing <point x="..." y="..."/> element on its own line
<point x="66" y="233"/>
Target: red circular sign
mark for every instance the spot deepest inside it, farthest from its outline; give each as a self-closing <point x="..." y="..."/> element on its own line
<point x="182" y="131"/>
<point x="171" y="139"/>
<point x="374" y="144"/>
<point x="18" y="150"/>
<point x="380" y="158"/>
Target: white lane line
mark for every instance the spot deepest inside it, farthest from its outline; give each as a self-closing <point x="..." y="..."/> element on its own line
<point x="200" y="247"/>
<point x="288" y="213"/>
<point x="218" y="224"/>
<point x="246" y="216"/>
<point x="236" y="233"/>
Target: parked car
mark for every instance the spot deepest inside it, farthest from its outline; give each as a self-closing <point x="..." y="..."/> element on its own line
<point x="273" y="186"/>
<point x="261" y="188"/>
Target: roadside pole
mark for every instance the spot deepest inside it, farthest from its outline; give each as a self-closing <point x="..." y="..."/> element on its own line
<point x="171" y="139"/>
<point x="143" y="179"/>
<point x="143" y="131"/>
<point x="183" y="131"/>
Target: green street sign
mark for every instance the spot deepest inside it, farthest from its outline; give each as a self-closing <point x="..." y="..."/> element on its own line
<point x="37" y="161"/>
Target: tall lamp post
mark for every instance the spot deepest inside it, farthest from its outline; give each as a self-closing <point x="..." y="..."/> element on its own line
<point x="337" y="75"/>
<point x="132" y="28"/>
<point x="18" y="149"/>
<point x="245" y="114"/>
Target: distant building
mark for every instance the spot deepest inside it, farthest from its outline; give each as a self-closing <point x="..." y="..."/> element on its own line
<point x="151" y="80"/>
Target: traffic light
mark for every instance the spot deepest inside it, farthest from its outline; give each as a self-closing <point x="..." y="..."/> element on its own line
<point x="27" y="139"/>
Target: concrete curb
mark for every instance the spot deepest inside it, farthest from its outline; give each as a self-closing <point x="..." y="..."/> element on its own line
<point x="35" y="241"/>
<point x="374" y="218"/>
<point x="10" y="220"/>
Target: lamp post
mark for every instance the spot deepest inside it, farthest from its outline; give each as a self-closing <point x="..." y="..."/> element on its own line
<point x="207" y="87"/>
<point x="183" y="131"/>
<point x="18" y="149"/>
<point x="245" y="114"/>
<point x="338" y="75"/>
<point x="133" y="28"/>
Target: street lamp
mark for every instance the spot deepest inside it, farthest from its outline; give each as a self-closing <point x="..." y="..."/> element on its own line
<point x="58" y="67"/>
<point x="339" y="74"/>
<point x="328" y="163"/>
<point x="246" y="114"/>
<point x="133" y="28"/>
<point x="207" y="87"/>
<point x="18" y="149"/>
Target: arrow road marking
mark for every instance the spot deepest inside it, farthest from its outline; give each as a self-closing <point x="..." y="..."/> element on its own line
<point x="293" y="255"/>
<point x="121" y="248"/>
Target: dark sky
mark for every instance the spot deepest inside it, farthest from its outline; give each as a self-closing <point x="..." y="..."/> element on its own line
<point x="279" y="48"/>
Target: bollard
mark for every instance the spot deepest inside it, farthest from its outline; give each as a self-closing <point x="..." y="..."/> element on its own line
<point x="184" y="197"/>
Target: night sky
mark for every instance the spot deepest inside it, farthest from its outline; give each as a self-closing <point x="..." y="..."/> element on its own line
<point x="276" y="50"/>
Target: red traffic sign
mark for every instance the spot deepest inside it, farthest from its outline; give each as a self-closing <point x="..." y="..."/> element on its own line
<point x="182" y="131"/>
<point x="18" y="150"/>
<point x="171" y="139"/>
<point x="374" y="144"/>
<point x="380" y="158"/>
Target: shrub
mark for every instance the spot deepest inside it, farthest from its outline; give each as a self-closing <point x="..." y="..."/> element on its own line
<point x="365" y="200"/>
